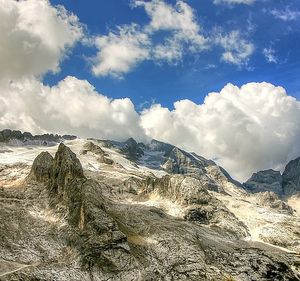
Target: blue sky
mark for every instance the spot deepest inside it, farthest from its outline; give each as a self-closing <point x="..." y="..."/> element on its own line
<point x="268" y="25"/>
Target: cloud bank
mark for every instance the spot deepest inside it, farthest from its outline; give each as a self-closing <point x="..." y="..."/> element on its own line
<point x="71" y="106"/>
<point x="246" y="129"/>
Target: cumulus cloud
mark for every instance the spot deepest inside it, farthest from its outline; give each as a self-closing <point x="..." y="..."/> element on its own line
<point x="231" y="2"/>
<point x="180" y="21"/>
<point x="247" y="129"/>
<point x="270" y="55"/>
<point x="180" y="18"/>
<point x="35" y="36"/>
<point x="72" y="106"/>
<point x="237" y="50"/>
<point x="172" y="32"/>
<point x="120" y="52"/>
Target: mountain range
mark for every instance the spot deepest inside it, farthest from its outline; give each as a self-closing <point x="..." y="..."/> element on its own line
<point x="90" y="209"/>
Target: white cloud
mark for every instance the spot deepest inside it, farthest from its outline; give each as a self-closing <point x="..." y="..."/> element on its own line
<point x="166" y="17"/>
<point x="180" y="20"/>
<point x="170" y="51"/>
<point x="73" y="106"/>
<point x="35" y="37"/>
<point x="270" y="55"/>
<point x="286" y="15"/>
<point x="231" y="2"/>
<point x="120" y="52"/>
<point x="248" y="129"/>
<point x="237" y="50"/>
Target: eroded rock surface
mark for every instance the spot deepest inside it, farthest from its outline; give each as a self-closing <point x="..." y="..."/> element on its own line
<point x="272" y="200"/>
<point x="66" y="223"/>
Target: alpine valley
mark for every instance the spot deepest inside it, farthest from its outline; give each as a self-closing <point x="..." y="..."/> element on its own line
<point x="89" y="209"/>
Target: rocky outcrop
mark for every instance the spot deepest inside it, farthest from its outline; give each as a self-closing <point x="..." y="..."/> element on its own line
<point x="291" y="177"/>
<point x="267" y="180"/>
<point x="97" y="150"/>
<point x="95" y="234"/>
<point x="41" y="167"/>
<point x="198" y="205"/>
<point x="132" y="149"/>
<point x="271" y="199"/>
<point x="180" y="162"/>
<point x="212" y="176"/>
<point x="68" y="224"/>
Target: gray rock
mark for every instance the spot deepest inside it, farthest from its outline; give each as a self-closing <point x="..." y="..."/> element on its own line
<point x="66" y="228"/>
<point x="291" y="177"/>
<point x="199" y="206"/>
<point x="41" y="167"/>
<point x="267" y="180"/>
<point x="96" y="149"/>
<point x="271" y="199"/>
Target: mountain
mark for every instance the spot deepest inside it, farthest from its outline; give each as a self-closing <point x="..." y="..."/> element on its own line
<point x="14" y="137"/>
<point x="267" y="180"/>
<point x="286" y="184"/>
<point x="105" y="210"/>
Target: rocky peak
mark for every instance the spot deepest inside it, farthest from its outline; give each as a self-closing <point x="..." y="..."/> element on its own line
<point x="161" y="146"/>
<point x="95" y="233"/>
<point x="267" y="180"/>
<point x="180" y="162"/>
<point x="90" y="146"/>
<point x="132" y="149"/>
<point x="291" y="177"/>
<point x="66" y="167"/>
<point x="96" y="149"/>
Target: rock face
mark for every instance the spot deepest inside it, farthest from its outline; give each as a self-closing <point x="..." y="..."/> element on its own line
<point x="197" y="204"/>
<point x="291" y="177"/>
<point x="96" y="149"/>
<point x="41" y="167"/>
<point x="271" y="199"/>
<point x="267" y="180"/>
<point x="65" y="223"/>
<point x="132" y="149"/>
<point x="95" y="234"/>
<point x="179" y="162"/>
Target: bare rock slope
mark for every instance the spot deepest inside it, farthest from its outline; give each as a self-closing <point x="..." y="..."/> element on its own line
<point x="151" y="213"/>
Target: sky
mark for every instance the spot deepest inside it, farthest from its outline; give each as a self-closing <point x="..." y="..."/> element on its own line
<point x="271" y="28"/>
<point x="217" y="77"/>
